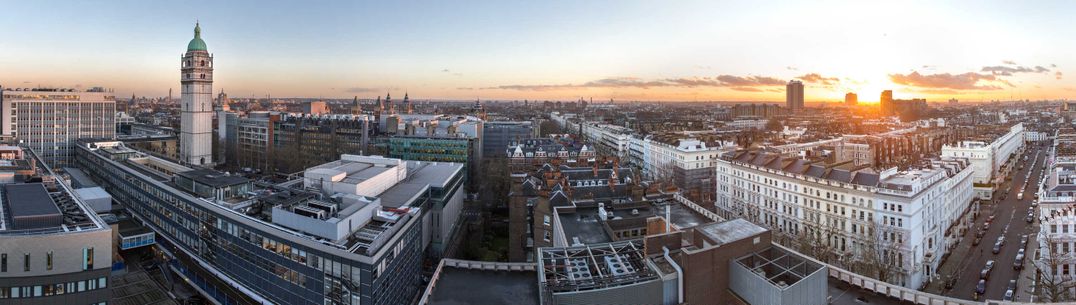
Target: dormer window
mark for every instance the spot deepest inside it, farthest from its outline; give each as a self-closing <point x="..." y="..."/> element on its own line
<point x="202" y="63"/>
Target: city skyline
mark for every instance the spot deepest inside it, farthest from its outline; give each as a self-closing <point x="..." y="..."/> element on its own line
<point x="628" y="51"/>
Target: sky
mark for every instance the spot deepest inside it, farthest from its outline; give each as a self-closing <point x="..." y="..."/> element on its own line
<point x="552" y="50"/>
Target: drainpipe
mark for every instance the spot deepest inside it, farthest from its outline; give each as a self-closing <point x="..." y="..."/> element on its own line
<point x="679" y="276"/>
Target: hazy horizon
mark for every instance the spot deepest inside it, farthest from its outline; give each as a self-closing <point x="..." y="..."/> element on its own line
<point x="697" y="51"/>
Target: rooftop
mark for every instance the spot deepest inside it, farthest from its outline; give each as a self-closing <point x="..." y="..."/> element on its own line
<point x="30" y="207"/>
<point x="459" y="286"/>
<point x="593" y="266"/>
<point x="312" y="214"/>
<point x="730" y="231"/>
<point x="212" y="177"/>
<point x="910" y="181"/>
<point x="779" y="267"/>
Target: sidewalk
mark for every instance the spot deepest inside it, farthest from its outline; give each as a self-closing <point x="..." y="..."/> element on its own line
<point x="1027" y="275"/>
<point x="961" y="255"/>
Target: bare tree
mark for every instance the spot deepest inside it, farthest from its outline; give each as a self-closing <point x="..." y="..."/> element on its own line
<point x="878" y="256"/>
<point x="1052" y="286"/>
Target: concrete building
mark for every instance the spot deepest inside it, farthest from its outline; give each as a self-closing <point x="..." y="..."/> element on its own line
<point x="254" y="140"/>
<point x="686" y="162"/>
<point x="498" y="135"/>
<point x="196" y="112"/>
<point x="1057" y="211"/>
<point x="316" y="108"/>
<point x="756" y="110"/>
<point x="727" y="262"/>
<point x="904" y="108"/>
<point x="316" y="139"/>
<point x="55" y="249"/>
<point x="837" y="210"/>
<point x="531" y="154"/>
<point x="988" y="153"/>
<point x="758" y="124"/>
<point x="794" y="96"/>
<point x="609" y="140"/>
<point x="885" y="102"/>
<point x="851" y="98"/>
<point x="49" y="121"/>
<point x="286" y="244"/>
<point x="374" y="176"/>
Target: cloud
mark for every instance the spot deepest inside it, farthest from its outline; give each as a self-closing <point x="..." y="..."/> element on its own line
<point x="966" y="81"/>
<point x="747" y="89"/>
<point x="1009" y="71"/>
<point x="635" y="82"/>
<point x="792" y="68"/>
<point x="1008" y="62"/>
<point x="938" y="91"/>
<point x="701" y="67"/>
<point x="1053" y="65"/>
<point x="1057" y="74"/>
<point x="816" y="78"/>
<point x="740" y="81"/>
<point x="445" y="70"/>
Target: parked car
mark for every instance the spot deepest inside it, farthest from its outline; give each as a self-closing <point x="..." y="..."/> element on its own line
<point x="998" y="244"/>
<point x="1012" y="285"/>
<point x="1008" y="295"/>
<point x="976" y="241"/>
<point x="982" y="231"/>
<point x="1018" y="263"/>
<point x="1023" y="241"/>
<point x="985" y="274"/>
<point x="981" y="287"/>
<point x="1030" y="217"/>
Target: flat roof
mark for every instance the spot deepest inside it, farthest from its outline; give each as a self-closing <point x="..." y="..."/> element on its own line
<point x="683" y="217"/>
<point x="212" y="177"/>
<point x="458" y="286"/>
<point x="585" y="225"/>
<point x="130" y="228"/>
<point x="779" y="267"/>
<point x="79" y="178"/>
<point x="730" y="231"/>
<point x="436" y="174"/>
<point x="30" y="206"/>
<point x="30" y="199"/>
<point x="89" y="193"/>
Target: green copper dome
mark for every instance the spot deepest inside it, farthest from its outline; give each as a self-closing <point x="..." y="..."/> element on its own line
<point x="196" y="44"/>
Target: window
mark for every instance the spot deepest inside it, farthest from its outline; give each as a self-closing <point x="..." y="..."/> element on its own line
<point x="26" y="262"/>
<point x="48" y="261"/>
<point x="3" y="262"/>
<point x="87" y="258"/>
<point x="545" y="219"/>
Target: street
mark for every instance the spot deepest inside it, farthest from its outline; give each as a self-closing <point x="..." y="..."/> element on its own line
<point x="1009" y="221"/>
